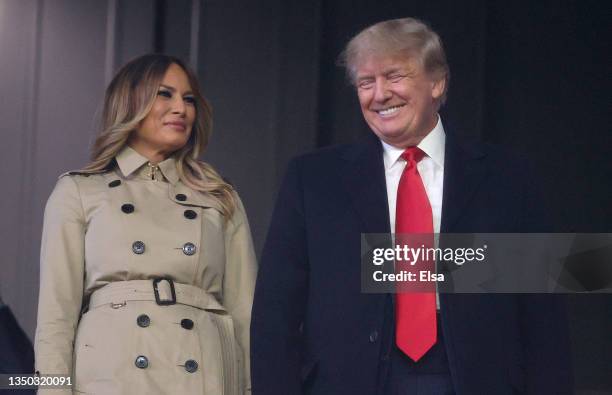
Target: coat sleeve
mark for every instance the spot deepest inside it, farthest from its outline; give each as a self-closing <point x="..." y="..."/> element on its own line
<point x="239" y="283"/>
<point x="62" y="270"/>
<point x="280" y="295"/>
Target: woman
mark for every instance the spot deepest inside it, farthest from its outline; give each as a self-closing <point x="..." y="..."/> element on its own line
<point x="147" y="264"/>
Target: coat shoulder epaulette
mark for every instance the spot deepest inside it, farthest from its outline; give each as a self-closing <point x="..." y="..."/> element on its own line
<point x="82" y="173"/>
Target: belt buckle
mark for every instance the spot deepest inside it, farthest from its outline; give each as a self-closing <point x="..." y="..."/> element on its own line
<point x="156" y="291"/>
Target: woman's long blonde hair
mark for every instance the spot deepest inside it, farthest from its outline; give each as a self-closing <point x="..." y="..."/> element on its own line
<point x="129" y="98"/>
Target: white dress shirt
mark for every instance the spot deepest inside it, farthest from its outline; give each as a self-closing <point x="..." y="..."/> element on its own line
<point x="431" y="169"/>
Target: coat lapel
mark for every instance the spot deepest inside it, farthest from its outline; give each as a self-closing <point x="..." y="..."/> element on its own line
<point x="365" y="185"/>
<point x="464" y="169"/>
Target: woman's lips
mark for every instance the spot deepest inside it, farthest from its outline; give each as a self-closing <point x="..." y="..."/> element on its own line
<point x="180" y="126"/>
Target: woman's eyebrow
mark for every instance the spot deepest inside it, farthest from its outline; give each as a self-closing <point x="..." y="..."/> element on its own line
<point x="172" y="89"/>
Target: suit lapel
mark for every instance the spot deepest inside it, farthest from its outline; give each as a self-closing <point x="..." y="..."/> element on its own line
<point x="464" y="169"/>
<point x="365" y="185"/>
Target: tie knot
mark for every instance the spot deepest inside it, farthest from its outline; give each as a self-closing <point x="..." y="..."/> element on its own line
<point x="413" y="154"/>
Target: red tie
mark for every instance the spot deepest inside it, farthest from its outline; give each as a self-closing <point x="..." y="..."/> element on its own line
<point x="415" y="312"/>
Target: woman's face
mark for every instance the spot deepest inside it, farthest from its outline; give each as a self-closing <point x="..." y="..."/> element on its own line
<point x="168" y="125"/>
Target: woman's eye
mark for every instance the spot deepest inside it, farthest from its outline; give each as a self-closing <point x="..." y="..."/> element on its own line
<point x="190" y="99"/>
<point x="164" y="94"/>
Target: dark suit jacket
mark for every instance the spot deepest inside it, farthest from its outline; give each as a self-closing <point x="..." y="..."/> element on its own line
<point x="314" y="332"/>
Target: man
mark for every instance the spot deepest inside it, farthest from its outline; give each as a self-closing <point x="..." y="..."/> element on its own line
<point x="314" y="332"/>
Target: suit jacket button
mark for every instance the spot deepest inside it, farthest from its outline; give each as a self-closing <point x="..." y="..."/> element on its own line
<point x="114" y="183"/>
<point x="138" y="247"/>
<point x="127" y="208"/>
<point x="143" y="320"/>
<point x="187" y="323"/>
<point x="181" y="197"/>
<point x="189" y="249"/>
<point x="191" y="366"/>
<point x="190" y="214"/>
<point x="141" y="362"/>
<point x="373" y="336"/>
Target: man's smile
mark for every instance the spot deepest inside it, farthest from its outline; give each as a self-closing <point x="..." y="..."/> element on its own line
<point x="389" y="110"/>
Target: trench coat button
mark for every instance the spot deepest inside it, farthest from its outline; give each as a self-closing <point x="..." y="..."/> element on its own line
<point x="187" y="323"/>
<point x="189" y="249"/>
<point x="141" y="362"/>
<point x="373" y="336"/>
<point x="138" y="247"/>
<point x="191" y="365"/>
<point x="114" y="183"/>
<point x="143" y="320"/>
<point x="181" y="197"/>
<point x="127" y="208"/>
<point x="190" y="214"/>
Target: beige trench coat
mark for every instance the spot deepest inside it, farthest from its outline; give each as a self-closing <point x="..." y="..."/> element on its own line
<point x="96" y="321"/>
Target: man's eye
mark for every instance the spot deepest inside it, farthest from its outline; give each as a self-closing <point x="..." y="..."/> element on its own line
<point x="164" y="94"/>
<point x="365" y="84"/>
<point x="395" y="77"/>
<point x="190" y="99"/>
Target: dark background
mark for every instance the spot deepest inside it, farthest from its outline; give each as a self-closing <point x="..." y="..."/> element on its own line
<point x="532" y="75"/>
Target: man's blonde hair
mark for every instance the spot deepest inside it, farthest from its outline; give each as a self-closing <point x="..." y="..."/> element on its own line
<point x="405" y="37"/>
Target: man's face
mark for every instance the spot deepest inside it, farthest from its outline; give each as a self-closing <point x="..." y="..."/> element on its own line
<point x="398" y="99"/>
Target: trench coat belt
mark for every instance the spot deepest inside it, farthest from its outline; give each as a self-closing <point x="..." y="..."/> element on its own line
<point x="121" y="292"/>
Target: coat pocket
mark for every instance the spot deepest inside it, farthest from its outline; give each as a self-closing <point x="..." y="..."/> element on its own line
<point x="230" y="354"/>
<point x="99" y="351"/>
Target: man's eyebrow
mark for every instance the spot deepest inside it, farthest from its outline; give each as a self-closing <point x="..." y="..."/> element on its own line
<point x="171" y="89"/>
<point x="387" y="71"/>
<point x="393" y="69"/>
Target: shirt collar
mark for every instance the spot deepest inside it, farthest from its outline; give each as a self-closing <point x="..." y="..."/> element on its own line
<point x="131" y="162"/>
<point x="432" y="144"/>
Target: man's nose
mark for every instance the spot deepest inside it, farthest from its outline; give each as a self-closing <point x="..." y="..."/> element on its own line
<point x="381" y="90"/>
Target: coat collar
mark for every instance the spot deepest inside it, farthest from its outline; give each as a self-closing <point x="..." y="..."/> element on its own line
<point x="131" y="162"/>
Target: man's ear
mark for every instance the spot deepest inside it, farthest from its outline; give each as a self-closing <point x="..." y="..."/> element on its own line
<point x="437" y="88"/>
